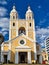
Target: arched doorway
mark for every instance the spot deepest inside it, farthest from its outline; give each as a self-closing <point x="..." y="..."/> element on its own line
<point x="22" y="30"/>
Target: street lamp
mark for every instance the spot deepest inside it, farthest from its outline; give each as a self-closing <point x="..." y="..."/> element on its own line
<point x="1" y="41"/>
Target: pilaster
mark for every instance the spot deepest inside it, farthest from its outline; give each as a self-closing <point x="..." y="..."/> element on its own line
<point x="29" y="57"/>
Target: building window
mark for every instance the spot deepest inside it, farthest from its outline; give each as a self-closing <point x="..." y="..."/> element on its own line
<point x="29" y="17"/>
<point x="22" y="42"/>
<point x="30" y="24"/>
<point x="13" y="24"/>
<point x="13" y="17"/>
<point x="45" y="56"/>
<point x="22" y="30"/>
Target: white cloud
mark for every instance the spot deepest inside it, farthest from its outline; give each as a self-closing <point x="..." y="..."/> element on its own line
<point x="3" y="11"/>
<point x="0" y="31"/>
<point x="4" y="29"/>
<point x="4" y="22"/>
<point x="4" y="33"/>
<point x="3" y="2"/>
<point x="42" y="44"/>
<point x="41" y="34"/>
<point x="48" y="27"/>
<point x="42" y="31"/>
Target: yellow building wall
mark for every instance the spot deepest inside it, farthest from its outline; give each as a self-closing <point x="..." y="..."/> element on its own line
<point x="13" y="34"/>
<point x="6" y="47"/>
<point x="15" y="43"/>
<point x="22" y="23"/>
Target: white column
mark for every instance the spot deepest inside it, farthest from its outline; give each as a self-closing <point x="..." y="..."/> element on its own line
<point x="40" y="59"/>
<point x="16" y="57"/>
<point x="29" y="57"/>
<point x="9" y="55"/>
<point x="2" y="57"/>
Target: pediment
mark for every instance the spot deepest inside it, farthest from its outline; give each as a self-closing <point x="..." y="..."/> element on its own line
<point x="21" y="36"/>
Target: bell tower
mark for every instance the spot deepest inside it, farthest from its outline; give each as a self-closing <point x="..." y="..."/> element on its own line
<point x="31" y="26"/>
<point x="13" y="24"/>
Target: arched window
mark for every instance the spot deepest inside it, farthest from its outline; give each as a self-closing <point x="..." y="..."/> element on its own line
<point x="13" y="17"/>
<point x="29" y="17"/>
<point x="22" y="30"/>
<point x="16" y="16"/>
<point x="30" y="24"/>
<point x="13" y="24"/>
<point x="45" y="56"/>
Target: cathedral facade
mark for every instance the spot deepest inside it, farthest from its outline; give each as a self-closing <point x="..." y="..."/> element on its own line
<point x="21" y="47"/>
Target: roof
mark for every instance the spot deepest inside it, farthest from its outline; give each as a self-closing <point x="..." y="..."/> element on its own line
<point x="23" y="36"/>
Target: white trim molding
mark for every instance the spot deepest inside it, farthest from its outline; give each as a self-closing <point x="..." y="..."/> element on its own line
<point x="9" y="55"/>
<point x="29" y="57"/>
<point x="34" y="40"/>
<point x="16" y="27"/>
<point x="26" y="28"/>
<point x="16" y="58"/>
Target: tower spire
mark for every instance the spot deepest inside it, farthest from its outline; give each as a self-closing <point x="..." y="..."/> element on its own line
<point x="13" y="6"/>
<point x="29" y="7"/>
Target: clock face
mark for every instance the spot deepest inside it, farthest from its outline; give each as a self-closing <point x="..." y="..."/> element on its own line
<point x="22" y="42"/>
<point x="1" y="38"/>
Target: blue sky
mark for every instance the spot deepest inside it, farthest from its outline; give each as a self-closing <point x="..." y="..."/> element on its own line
<point x="40" y="9"/>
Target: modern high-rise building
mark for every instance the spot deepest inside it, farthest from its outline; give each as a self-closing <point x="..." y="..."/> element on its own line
<point x="47" y="46"/>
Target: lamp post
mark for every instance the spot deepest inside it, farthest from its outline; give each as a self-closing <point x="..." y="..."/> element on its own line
<point x="1" y="41"/>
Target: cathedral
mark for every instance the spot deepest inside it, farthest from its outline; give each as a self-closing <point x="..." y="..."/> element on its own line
<point x="21" y="46"/>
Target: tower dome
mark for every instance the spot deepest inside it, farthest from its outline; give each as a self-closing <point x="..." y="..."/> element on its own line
<point x="29" y="14"/>
<point x="14" y="9"/>
<point x="13" y="13"/>
<point x="29" y="10"/>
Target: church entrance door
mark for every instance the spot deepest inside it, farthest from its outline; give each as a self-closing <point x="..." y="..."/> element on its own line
<point x="22" y="57"/>
<point x="5" y="58"/>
